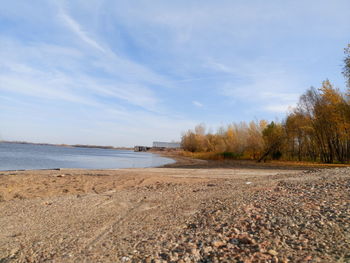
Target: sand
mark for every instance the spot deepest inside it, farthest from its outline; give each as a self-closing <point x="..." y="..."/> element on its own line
<point x="124" y="215"/>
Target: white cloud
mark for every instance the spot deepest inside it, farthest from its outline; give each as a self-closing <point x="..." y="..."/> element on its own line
<point x="45" y="88"/>
<point x="76" y="28"/>
<point x="267" y="85"/>
<point x="278" y="108"/>
<point x="93" y="97"/>
<point x="121" y="60"/>
<point x="58" y="72"/>
<point x="197" y="104"/>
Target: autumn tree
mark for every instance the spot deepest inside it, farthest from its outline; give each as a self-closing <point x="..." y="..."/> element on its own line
<point x="318" y="129"/>
<point x="327" y="112"/>
<point x="273" y="136"/>
<point x="346" y="70"/>
<point x="299" y="137"/>
<point x="255" y="141"/>
<point x="194" y="141"/>
<point x="239" y="139"/>
<point x="189" y="142"/>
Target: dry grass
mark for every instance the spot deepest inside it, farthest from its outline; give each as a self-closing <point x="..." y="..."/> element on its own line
<point x="313" y="164"/>
<point x="201" y="155"/>
<point x="216" y="156"/>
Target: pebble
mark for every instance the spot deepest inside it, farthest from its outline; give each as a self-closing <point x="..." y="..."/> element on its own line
<point x="125" y="259"/>
<point x="272" y="252"/>
<point x="195" y="252"/>
<point x="13" y="252"/>
<point x="207" y="250"/>
<point x="305" y="217"/>
<point x="218" y="244"/>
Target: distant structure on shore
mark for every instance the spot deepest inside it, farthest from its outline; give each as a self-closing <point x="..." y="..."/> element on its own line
<point x="141" y="148"/>
<point x="158" y="146"/>
<point x="166" y="145"/>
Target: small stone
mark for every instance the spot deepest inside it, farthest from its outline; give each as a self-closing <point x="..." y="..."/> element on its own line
<point x="308" y="258"/>
<point x="236" y="231"/>
<point x="218" y="244"/>
<point x="125" y="259"/>
<point x="164" y="256"/>
<point x="13" y="252"/>
<point x="234" y="241"/>
<point x="207" y="250"/>
<point x="174" y="257"/>
<point x="272" y="252"/>
<point x="195" y="252"/>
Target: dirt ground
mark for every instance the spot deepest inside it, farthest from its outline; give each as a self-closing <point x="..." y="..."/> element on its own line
<point x="164" y="214"/>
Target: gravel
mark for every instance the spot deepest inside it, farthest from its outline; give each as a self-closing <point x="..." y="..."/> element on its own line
<point x="296" y="221"/>
<point x="300" y="217"/>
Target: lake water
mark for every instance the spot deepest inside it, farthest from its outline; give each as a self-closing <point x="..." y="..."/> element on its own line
<point x="16" y="156"/>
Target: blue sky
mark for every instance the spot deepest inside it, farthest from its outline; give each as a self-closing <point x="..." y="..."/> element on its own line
<point x="130" y="72"/>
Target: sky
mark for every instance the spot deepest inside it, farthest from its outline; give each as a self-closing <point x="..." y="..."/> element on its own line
<point x="124" y="73"/>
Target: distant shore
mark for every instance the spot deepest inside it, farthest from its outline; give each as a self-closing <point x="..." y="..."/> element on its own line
<point x="71" y="145"/>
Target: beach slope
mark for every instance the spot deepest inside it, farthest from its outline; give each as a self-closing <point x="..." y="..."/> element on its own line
<point x="176" y="215"/>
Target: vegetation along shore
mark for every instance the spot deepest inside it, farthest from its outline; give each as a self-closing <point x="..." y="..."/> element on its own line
<point x="317" y="130"/>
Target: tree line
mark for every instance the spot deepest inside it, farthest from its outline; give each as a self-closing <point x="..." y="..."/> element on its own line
<point x="317" y="129"/>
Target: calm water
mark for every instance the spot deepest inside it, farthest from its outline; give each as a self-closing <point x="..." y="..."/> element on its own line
<point x="15" y="156"/>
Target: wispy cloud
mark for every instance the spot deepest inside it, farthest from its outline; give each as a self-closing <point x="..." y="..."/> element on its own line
<point x="77" y="29"/>
<point x="266" y="86"/>
<point x="278" y="108"/>
<point x="136" y="71"/>
<point x="197" y="104"/>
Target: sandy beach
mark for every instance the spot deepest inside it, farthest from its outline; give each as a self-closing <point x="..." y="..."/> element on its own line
<point x="186" y="212"/>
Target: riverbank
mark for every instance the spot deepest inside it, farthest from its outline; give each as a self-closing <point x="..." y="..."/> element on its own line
<point x="183" y="161"/>
<point x="196" y="213"/>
